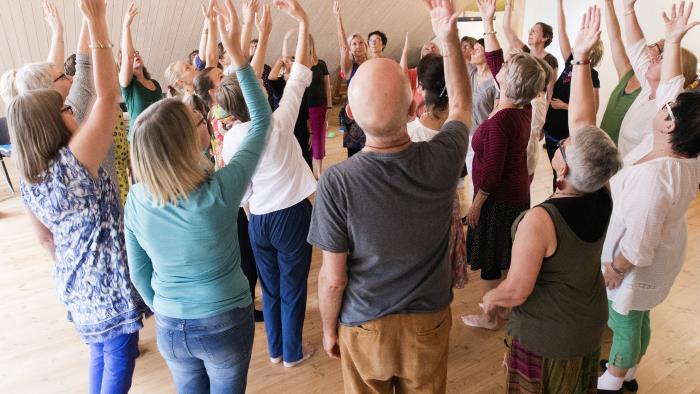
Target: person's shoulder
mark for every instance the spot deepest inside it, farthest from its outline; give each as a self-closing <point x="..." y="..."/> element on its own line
<point x="454" y="126"/>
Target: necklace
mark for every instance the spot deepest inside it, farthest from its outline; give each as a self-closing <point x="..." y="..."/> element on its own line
<point x="383" y="148"/>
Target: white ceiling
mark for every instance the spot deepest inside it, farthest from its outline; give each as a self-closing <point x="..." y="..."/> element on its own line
<point x="166" y="30"/>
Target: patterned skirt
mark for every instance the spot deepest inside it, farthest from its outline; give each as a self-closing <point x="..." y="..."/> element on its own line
<point x="457" y="248"/>
<point x="529" y="373"/>
<point x="489" y="244"/>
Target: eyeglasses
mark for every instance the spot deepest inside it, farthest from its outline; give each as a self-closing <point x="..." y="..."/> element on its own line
<point x="67" y="108"/>
<point x="202" y="120"/>
<point x="560" y="146"/>
<point x="670" y="112"/>
<point x="60" y="77"/>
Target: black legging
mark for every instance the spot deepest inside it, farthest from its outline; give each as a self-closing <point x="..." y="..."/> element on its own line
<point x="247" y="258"/>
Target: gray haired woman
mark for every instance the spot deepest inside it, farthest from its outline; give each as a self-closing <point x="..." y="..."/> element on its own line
<point x="555" y="285"/>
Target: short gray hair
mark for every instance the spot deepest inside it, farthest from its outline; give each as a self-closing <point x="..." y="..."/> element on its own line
<point x="8" y="91"/>
<point x="34" y="76"/>
<point x="524" y="78"/>
<point x="592" y="158"/>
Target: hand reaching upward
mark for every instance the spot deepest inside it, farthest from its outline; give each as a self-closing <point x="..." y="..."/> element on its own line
<point x="442" y="17"/>
<point x="53" y="18"/>
<point x="131" y="13"/>
<point x="292" y="8"/>
<point x="230" y="34"/>
<point x="588" y="35"/>
<point x="677" y="23"/>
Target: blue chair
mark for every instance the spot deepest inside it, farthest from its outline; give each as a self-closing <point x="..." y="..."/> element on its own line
<point x="5" y="150"/>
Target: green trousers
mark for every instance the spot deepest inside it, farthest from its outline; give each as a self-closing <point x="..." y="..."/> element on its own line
<point x="631" y="335"/>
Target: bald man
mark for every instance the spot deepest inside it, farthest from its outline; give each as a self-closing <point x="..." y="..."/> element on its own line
<point x="382" y="219"/>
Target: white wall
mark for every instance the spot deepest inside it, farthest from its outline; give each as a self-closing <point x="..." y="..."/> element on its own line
<point x="648" y="12"/>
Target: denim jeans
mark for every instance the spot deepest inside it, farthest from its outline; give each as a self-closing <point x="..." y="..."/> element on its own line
<point x="209" y="355"/>
<point x="112" y="364"/>
<point x="283" y="258"/>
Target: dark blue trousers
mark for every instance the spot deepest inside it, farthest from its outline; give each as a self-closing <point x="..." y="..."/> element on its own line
<point x="283" y="258"/>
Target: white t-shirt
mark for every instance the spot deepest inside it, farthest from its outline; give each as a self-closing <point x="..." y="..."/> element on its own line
<point x="648" y="223"/>
<point x="419" y="133"/>
<point x="637" y="122"/>
<point x="282" y="178"/>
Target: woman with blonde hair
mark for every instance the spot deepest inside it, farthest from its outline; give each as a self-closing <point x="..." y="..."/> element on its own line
<point x="353" y="53"/>
<point x="181" y="236"/>
<point x="73" y="207"/>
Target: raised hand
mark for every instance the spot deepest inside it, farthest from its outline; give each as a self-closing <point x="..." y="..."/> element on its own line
<point x="210" y="11"/>
<point x="292" y="8"/>
<point x="52" y="16"/>
<point x="677" y="23"/>
<point x="94" y="9"/>
<point x="336" y="9"/>
<point x="131" y="13"/>
<point x="628" y="5"/>
<point x="264" y="23"/>
<point x="230" y="35"/>
<point x="442" y="17"/>
<point x="487" y="9"/>
<point x="588" y="35"/>
<point x="250" y="8"/>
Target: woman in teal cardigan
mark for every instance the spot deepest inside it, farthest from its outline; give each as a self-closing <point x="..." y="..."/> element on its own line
<point x="181" y="237"/>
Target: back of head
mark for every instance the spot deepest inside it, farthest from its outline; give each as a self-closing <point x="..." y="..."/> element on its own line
<point x="431" y="77"/>
<point x="165" y="153"/>
<point x="689" y="66"/>
<point x="37" y="131"/>
<point x="525" y="78"/>
<point x="203" y="84"/>
<point x="34" y="76"/>
<point x="592" y="158"/>
<point x="685" y="138"/>
<point x="7" y="86"/>
<point x="380" y="97"/>
<point x="230" y="98"/>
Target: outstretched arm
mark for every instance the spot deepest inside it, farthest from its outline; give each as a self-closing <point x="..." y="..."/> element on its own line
<point x="212" y="53"/>
<point x="513" y="39"/>
<point x="617" y="47"/>
<point x="582" y="110"/>
<point x="202" y="49"/>
<point x="487" y="9"/>
<point x="444" y="21"/>
<point x="57" y="51"/>
<point x="126" y="72"/>
<point x="633" y="32"/>
<point x="264" y="26"/>
<point x="92" y="141"/>
<point x="345" y="57"/>
<point x="404" y="55"/>
<point x="564" y="44"/>
<point x="250" y="8"/>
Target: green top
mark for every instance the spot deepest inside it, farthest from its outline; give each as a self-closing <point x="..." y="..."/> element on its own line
<point x="564" y="316"/>
<point x="618" y="104"/>
<point x="138" y="98"/>
<point x="184" y="258"/>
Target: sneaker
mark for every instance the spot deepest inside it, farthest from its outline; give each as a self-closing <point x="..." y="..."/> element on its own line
<point x="306" y="353"/>
<point x="631" y="385"/>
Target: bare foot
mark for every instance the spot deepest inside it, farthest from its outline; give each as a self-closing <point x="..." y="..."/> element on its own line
<point x="276" y="360"/>
<point x="306" y="353"/>
<point x="480" y="321"/>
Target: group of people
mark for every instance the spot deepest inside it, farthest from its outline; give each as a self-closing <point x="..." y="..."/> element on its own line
<point x="179" y="209"/>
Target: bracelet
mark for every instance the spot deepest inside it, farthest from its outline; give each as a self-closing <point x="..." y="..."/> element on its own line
<point x="615" y="270"/>
<point x="582" y="62"/>
<point x="489" y="32"/>
<point x="101" y="45"/>
<point x="630" y="12"/>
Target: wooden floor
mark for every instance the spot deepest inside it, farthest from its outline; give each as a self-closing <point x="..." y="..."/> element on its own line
<point x="41" y="353"/>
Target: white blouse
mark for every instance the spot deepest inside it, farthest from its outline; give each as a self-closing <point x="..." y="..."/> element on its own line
<point x="648" y="223"/>
<point x="418" y="133"/>
<point x="637" y="122"/>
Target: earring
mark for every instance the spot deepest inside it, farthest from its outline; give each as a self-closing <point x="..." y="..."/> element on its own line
<point x="560" y="184"/>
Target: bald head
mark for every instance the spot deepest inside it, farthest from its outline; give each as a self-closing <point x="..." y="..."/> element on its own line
<point x="380" y="98"/>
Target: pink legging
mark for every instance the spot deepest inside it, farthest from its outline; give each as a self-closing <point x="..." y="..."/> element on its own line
<point x="317" y="120"/>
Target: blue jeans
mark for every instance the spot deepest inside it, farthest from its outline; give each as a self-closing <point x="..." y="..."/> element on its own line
<point x="283" y="258"/>
<point x="209" y="355"/>
<point x="112" y="364"/>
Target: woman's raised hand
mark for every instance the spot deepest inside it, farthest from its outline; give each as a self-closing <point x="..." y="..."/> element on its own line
<point x="264" y="22"/>
<point x="53" y="18"/>
<point x="442" y="17"/>
<point x="291" y="7"/>
<point x="588" y="35"/>
<point x="230" y="34"/>
<point x="131" y="13"/>
<point x="677" y="22"/>
<point x="487" y="9"/>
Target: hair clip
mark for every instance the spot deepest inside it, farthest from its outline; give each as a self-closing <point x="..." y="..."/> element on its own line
<point x="444" y="91"/>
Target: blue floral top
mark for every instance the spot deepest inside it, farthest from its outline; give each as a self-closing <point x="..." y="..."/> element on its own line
<point x="91" y="274"/>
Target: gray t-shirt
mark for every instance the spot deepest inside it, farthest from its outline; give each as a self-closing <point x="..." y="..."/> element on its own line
<point x="391" y="213"/>
<point x="483" y="97"/>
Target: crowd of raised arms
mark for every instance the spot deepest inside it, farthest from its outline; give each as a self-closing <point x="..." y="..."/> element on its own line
<point x="179" y="209"/>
